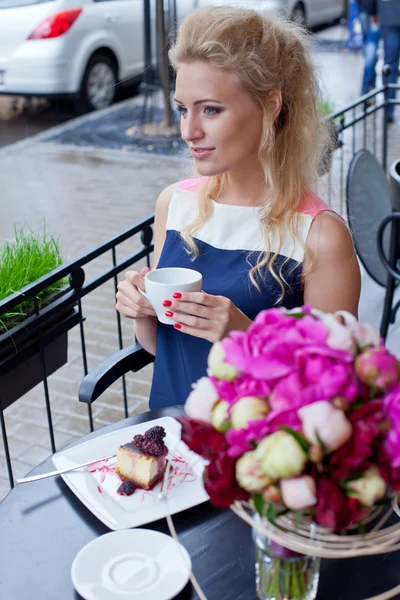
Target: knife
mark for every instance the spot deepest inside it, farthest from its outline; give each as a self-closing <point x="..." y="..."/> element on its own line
<point x="60" y="471"/>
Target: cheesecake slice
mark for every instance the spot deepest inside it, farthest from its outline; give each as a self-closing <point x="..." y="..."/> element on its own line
<point x="137" y="466"/>
<point x="143" y="460"/>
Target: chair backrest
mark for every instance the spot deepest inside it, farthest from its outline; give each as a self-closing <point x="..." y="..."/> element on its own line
<point x="368" y="203"/>
<point x="395" y="184"/>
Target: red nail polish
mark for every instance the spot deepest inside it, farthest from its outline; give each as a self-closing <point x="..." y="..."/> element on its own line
<point x="177" y="295"/>
<point x="167" y="303"/>
<point x="169" y="313"/>
<point x="177" y="326"/>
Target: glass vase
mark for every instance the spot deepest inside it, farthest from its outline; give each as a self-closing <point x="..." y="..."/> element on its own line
<point x="282" y="574"/>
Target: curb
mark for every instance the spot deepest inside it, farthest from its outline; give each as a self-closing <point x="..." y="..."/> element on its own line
<point x="71" y="124"/>
<point x="106" y="153"/>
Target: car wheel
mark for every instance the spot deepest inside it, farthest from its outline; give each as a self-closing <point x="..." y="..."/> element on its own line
<point x="299" y="14"/>
<point x="99" y="84"/>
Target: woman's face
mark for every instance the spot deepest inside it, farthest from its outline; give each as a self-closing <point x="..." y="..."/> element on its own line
<point x="220" y="123"/>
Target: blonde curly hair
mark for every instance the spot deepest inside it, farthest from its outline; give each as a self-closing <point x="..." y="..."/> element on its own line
<point x="265" y="53"/>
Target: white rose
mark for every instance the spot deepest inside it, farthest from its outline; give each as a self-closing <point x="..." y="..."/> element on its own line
<point x="217" y="365"/>
<point x="281" y="456"/>
<point x="299" y="493"/>
<point x="363" y="333"/>
<point x="249" y="474"/>
<point x="201" y="400"/>
<point x="249" y="408"/>
<point x="220" y="416"/>
<point x="340" y="336"/>
<point x="322" y="421"/>
<point x="370" y="488"/>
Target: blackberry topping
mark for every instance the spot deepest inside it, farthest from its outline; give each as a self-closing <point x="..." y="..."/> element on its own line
<point x="138" y="441"/>
<point x="154" y="447"/>
<point x="156" y="432"/>
<point x="126" y="488"/>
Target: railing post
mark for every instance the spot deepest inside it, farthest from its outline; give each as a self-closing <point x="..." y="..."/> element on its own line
<point x="6" y="446"/>
<point x="386" y="71"/>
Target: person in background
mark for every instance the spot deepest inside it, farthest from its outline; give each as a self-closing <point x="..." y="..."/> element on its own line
<point x="371" y="35"/>
<point x="387" y="14"/>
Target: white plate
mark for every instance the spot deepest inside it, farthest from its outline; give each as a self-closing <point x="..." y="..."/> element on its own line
<point x="136" y="564"/>
<point x="96" y="486"/>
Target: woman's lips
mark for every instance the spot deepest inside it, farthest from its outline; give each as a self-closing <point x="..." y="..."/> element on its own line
<point x="200" y="153"/>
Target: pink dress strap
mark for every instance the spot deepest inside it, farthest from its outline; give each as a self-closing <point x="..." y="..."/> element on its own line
<point x="313" y="205"/>
<point x="192" y="185"/>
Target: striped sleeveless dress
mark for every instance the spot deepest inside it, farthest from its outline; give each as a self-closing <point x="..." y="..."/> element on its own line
<point x="229" y="244"/>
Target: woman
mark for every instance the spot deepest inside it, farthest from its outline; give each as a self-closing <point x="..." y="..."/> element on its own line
<point x="250" y="114"/>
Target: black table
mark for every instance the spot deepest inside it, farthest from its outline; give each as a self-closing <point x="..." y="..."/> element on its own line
<point x="43" y="526"/>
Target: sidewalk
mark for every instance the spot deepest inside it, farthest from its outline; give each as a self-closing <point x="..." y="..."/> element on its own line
<point x="87" y="195"/>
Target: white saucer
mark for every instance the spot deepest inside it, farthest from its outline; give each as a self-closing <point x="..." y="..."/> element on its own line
<point x="131" y="564"/>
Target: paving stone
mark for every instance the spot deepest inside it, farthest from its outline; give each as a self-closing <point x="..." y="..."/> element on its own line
<point x="17" y="446"/>
<point x="37" y="454"/>
<point x="74" y="425"/>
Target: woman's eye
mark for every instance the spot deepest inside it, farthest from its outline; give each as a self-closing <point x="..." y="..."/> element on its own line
<point x="182" y="110"/>
<point x="210" y="111"/>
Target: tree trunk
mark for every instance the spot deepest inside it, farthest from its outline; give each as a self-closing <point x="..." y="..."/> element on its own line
<point x="163" y="63"/>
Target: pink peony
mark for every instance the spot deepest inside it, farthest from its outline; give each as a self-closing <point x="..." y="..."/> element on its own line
<point x="267" y="350"/>
<point x="299" y="493"/>
<point x="321" y="421"/>
<point x="201" y="400"/>
<point x="242" y="386"/>
<point x="391" y="406"/>
<point x="318" y="377"/>
<point x="377" y="368"/>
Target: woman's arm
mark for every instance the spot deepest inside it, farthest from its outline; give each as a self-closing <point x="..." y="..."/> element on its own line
<point x="332" y="279"/>
<point x="146" y="329"/>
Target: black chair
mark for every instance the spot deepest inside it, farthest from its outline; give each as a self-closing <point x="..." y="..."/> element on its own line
<point x="391" y="264"/>
<point x="133" y="358"/>
<point x="368" y="203"/>
<point x="369" y="211"/>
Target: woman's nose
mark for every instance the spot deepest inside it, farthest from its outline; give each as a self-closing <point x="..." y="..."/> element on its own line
<point x="191" y="129"/>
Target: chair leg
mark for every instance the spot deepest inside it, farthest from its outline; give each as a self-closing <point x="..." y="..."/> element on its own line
<point x="387" y="307"/>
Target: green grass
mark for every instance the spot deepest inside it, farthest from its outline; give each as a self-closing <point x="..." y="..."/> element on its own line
<point x="23" y="260"/>
<point x="327" y="108"/>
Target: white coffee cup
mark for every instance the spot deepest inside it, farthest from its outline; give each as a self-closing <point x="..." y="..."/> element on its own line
<point x="161" y="284"/>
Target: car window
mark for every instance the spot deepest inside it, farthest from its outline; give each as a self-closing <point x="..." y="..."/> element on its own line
<point x="17" y="3"/>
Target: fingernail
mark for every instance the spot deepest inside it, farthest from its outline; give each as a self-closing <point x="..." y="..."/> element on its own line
<point x="168" y="313"/>
<point x="167" y="303"/>
<point x="177" y="326"/>
<point x="177" y="295"/>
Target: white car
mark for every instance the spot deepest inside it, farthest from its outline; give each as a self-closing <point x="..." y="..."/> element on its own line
<point x="86" y="48"/>
<point x="310" y="12"/>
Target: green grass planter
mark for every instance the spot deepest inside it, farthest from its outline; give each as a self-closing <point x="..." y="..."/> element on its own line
<point x="31" y="347"/>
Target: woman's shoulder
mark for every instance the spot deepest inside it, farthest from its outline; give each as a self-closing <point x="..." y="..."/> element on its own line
<point x="328" y="231"/>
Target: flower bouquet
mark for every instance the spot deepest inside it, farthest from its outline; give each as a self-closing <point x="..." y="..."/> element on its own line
<point x="299" y="420"/>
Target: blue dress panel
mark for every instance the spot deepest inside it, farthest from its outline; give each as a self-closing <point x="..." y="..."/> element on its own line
<point x="229" y="244"/>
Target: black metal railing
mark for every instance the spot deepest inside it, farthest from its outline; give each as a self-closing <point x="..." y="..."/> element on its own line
<point x="362" y="124"/>
<point x="37" y="324"/>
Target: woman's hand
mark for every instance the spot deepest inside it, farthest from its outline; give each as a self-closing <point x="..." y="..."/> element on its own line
<point x="130" y="302"/>
<point x="205" y="316"/>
